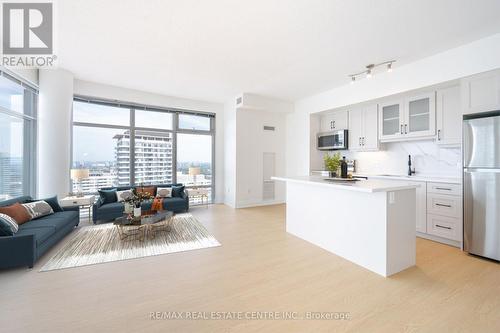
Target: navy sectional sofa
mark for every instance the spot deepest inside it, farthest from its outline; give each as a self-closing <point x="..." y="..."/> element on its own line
<point x="110" y="211"/>
<point x="35" y="237"/>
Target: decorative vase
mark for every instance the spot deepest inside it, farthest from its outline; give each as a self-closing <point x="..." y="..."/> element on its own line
<point x="137" y="212"/>
<point x="333" y="174"/>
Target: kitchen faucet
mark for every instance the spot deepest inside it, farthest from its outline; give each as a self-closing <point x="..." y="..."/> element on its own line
<point x="410" y="171"/>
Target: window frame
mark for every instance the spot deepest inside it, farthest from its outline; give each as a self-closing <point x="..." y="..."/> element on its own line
<point x="132" y="107"/>
<point x="29" y="117"/>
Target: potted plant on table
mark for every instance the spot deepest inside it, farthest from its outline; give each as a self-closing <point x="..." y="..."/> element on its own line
<point x="332" y="163"/>
<point x="136" y="199"/>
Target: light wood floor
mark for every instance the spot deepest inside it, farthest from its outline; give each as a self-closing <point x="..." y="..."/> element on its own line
<point x="259" y="267"/>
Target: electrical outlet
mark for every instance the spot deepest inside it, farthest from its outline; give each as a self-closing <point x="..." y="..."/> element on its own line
<point x="392" y="197"/>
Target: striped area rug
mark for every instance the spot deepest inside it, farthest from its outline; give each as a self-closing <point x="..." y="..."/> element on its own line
<point x="101" y="243"/>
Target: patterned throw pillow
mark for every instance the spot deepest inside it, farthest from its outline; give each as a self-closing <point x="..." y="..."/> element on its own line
<point x="164" y="192"/>
<point x="121" y="196"/>
<point x="17" y="211"/>
<point x="148" y="189"/>
<point x="38" y="209"/>
<point x="8" y="226"/>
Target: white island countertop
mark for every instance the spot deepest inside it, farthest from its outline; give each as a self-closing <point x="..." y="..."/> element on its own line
<point x="362" y="185"/>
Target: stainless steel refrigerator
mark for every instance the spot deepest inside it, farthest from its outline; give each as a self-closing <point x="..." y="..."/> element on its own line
<point x="482" y="184"/>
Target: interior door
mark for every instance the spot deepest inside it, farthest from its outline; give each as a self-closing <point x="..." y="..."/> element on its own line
<point x="370" y="127"/>
<point x="482" y="212"/>
<point x="391" y="121"/>
<point x="355" y="129"/>
<point x="421" y="116"/>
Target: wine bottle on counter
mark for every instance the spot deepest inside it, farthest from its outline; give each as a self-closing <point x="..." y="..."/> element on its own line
<point x="343" y="168"/>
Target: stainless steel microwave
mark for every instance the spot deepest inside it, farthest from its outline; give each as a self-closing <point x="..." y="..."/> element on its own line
<point x="334" y="140"/>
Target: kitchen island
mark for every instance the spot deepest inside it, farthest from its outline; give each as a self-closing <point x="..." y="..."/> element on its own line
<point x="368" y="222"/>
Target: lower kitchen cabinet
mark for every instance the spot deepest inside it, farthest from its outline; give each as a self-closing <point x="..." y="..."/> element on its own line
<point x="444" y="226"/>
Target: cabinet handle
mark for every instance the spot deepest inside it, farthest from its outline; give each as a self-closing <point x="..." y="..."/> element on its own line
<point x="401" y="128"/>
<point x="439" y="135"/>
<point x="360" y="141"/>
<point x="443" y="188"/>
<point x="333" y="124"/>
<point x="443" y="227"/>
<point x="363" y="140"/>
<point x="443" y="205"/>
<point x="406" y="127"/>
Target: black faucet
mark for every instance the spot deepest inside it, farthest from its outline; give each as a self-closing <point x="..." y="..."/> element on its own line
<point x="410" y="171"/>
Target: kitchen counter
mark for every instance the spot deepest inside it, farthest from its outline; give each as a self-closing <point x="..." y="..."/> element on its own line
<point x="418" y="178"/>
<point x="368" y="222"/>
<point x="378" y="185"/>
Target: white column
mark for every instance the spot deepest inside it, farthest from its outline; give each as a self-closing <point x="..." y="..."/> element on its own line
<point x="54" y="132"/>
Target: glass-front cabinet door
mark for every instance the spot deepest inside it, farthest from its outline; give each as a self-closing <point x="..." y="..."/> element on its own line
<point x="391" y="120"/>
<point x="421" y="116"/>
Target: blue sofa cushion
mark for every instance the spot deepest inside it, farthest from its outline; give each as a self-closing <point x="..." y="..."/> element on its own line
<point x="177" y="191"/>
<point x="108" y="196"/>
<point x="111" y="208"/>
<point x="173" y="203"/>
<point x="41" y="234"/>
<point x="53" y="202"/>
<point x="57" y="221"/>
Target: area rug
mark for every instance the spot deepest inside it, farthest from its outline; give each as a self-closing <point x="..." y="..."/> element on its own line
<point x="101" y="243"/>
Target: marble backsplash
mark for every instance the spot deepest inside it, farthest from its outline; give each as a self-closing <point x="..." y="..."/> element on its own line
<point x="427" y="158"/>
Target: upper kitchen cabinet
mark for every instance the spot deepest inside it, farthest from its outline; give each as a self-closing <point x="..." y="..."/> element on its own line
<point x="449" y="117"/>
<point x="334" y="121"/>
<point x="411" y="118"/>
<point x="391" y="121"/>
<point x="481" y="92"/>
<point x="363" y="128"/>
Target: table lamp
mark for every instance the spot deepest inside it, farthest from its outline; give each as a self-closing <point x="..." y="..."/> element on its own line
<point x="194" y="171"/>
<point x="78" y="175"/>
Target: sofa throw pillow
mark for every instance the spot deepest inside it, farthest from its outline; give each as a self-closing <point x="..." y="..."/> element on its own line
<point x="121" y="196"/>
<point x="38" y="209"/>
<point x="164" y="192"/>
<point x="177" y="191"/>
<point x="53" y="202"/>
<point x="149" y="189"/>
<point x="108" y="196"/>
<point x="17" y="211"/>
<point x="8" y="226"/>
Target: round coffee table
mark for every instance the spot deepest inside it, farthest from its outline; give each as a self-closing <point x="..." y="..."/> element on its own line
<point x="147" y="225"/>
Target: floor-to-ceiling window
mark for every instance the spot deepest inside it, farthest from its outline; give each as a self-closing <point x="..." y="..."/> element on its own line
<point x="18" y="109"/>
<point x="127" y="144"/>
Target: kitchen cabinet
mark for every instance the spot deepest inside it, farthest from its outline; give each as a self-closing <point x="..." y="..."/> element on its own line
<point x="408" y="119"/>
<point x="334" y="121"/>
<point x="449" y="116"/>
<point x="420" y="116"/>
<point x="444" y="210"/>
<point x="481" y="92"/>
<point x="391" y="120"/>
<point x="363" y="128"/>
<point x="421" y="206"/>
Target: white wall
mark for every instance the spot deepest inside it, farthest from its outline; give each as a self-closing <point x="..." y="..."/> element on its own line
<point x="93" y="89"/>
<point x="230" y="154"/>
<point x="54" y="132"/>
<point x="469" y="59"/>
<point x="252" y="143"/>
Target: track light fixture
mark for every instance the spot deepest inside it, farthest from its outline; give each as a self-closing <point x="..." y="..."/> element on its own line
<point x="369" y="70"/>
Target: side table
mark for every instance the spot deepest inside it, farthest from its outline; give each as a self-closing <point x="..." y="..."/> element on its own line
<point x="83" y="202"/>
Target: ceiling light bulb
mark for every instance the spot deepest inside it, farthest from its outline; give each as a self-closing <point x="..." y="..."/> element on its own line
<point x="353" y="79"/>
<point x="389" y="67"/>
<point x="368" y="73"/>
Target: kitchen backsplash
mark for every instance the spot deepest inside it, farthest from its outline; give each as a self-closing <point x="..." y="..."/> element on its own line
<point x="427" y="158"/>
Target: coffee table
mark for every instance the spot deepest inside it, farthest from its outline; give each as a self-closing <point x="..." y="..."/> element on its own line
<point x="145" y="226"/>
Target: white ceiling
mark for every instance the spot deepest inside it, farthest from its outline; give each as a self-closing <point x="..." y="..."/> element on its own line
<point x="288" y="49"/>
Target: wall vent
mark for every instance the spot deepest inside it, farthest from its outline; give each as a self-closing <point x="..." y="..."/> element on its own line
<point x="269" y="128"/>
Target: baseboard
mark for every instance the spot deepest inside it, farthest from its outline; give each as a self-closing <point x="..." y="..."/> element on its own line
<point x="440" y="239"/>
<point x="258" y="204"/>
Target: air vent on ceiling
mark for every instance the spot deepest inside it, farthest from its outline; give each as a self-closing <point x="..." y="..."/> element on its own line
<point x="269" y="128"/>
